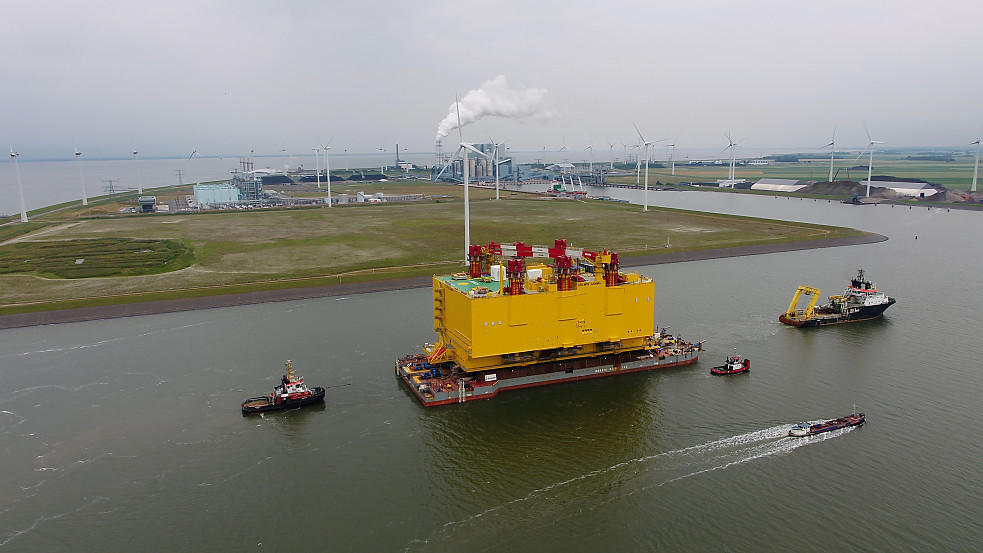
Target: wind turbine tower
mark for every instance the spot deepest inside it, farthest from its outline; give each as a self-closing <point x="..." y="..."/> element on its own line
<point x="462" y="150"/>
<point x="78" y="158"/>
<point x="976" y="167"/>
<point x="136" y="157"/>
<point x="327" y="171"/>
<point x="733" y="158"/>
<point x="832" y="154"/>
<point x="20" y="186"/>
<point x="647" y="144"/>
<point x="870" y="162"/>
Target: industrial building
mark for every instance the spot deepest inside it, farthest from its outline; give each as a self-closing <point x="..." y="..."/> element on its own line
<point x="216" y="194"/>
<point x="245" y="179"/>
<point x="778" y="185"/>
<point x="914" y="189"/>
<point x="479" y="168"/>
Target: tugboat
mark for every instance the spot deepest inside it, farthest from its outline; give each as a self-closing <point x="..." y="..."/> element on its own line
<point x="805" y="429"/>
<point x="860" y="302"/>
<point x="732" y="365"/>
<point x="292" y="392"/>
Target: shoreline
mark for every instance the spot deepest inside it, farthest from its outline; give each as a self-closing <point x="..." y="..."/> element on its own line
<point x="83" y="314"/>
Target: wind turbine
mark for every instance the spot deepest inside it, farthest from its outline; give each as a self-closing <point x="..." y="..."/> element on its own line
<point x="870" y="163"/>
<point x="590" y="146"/>
<point x="976" y="168"/>
<point x="136" y="157"/>
<point x="832" y="152"/>
<point x="20" y="187"/>
<point x="462" y="149"/>
<point x="647" y="144"/>
<point x="327" y="170"/>
<point x="78" y="158"/>
<point x="733" y="158"/>
<point x="497" y="163"/>
<point x="611" y="154"/>
<point x="193" y="154"/>
<point x="672" y="157"/>
<point x="317" y="165"/>
<point x="382" y="168"/>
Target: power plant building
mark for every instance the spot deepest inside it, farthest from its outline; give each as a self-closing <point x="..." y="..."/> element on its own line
<point x="216" y="194"/>
<point x="479" y="167"/>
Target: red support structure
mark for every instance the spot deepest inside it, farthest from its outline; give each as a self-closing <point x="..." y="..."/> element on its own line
<point x="474" y="261"/>
<point x="611" y="271"/>
<point x="564" y="268"/>
<point x="517" y="276"/>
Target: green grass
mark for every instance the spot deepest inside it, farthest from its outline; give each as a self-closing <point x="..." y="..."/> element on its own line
<point x="236" y="251"/>
<point x="97" y="257"/>
<point x="956" y="175"/>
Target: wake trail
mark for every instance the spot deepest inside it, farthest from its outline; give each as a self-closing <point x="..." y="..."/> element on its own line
<point x="653" y="471"/>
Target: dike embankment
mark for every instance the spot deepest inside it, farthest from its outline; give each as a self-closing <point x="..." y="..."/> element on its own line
<point x="345" y="289"/>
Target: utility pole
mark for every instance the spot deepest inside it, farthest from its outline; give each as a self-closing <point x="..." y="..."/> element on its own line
<point x="110" y="186"/>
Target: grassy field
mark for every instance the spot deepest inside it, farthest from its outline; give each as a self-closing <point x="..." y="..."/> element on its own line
<point x="957" y="175"/>
<point x="267" y="249"/>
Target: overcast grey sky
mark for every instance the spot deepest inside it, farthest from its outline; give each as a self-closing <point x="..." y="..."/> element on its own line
<point x="224" y="77"/>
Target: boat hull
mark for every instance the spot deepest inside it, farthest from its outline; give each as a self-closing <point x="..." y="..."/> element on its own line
<point x="798" y="431"/>
<point x="256" y="405"/>
<point x="488" y="383"/>
<point x="723" y="371"/>
<point x="863" y="314"/>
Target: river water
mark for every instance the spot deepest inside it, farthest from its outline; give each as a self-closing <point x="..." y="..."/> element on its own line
<point x="126" y="434"/>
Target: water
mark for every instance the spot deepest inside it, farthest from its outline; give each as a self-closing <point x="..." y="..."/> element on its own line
<point x="126" y="434"/>
<point x="52" y="182"/>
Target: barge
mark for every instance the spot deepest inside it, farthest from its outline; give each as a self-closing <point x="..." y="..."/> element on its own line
<point x="506" y="324"/>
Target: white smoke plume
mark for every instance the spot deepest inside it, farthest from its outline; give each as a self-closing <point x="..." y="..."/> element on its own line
<point x="496" y="98"/>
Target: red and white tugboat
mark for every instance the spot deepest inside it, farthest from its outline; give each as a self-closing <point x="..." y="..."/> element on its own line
<point x="732" y="365"/>
<point x="292" y="392"/>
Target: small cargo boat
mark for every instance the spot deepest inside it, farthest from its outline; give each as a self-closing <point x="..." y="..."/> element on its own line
<point x="292" y="392"/>
<point x="805" y="429"/>
<point x="732" y="365"/>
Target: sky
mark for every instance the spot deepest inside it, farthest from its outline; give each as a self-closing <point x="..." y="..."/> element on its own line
<point x="228" y="77"/>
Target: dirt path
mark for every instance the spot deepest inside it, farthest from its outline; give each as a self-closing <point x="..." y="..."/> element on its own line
<point x="33" y="235"/>
<point x="228" y="300"/>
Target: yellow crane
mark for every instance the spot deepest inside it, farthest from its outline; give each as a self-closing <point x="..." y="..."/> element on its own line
<point x="793" y="313"/>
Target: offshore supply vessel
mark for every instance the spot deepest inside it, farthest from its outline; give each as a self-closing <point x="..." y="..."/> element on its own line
<point x="860" y="302"/>
<point x="505" y="324"/>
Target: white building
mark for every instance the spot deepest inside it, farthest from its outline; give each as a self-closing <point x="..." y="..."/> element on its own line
<point x="912" y="189"/>
<point x="215" y="194"/>
<point x="778" y="185"/>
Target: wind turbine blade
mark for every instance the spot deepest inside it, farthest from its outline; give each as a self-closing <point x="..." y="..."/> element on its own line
<point x="457" y="106"/>
<point x="642" y="138"/>
<point x="473" y="149"/>
<point x="866" y="130"/>
<point x="449" y="162"/>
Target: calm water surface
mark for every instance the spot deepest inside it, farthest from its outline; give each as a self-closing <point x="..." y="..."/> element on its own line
<point x="126" y="434"/>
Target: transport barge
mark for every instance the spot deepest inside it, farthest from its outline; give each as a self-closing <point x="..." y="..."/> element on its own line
<point x="506" y="324"/>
